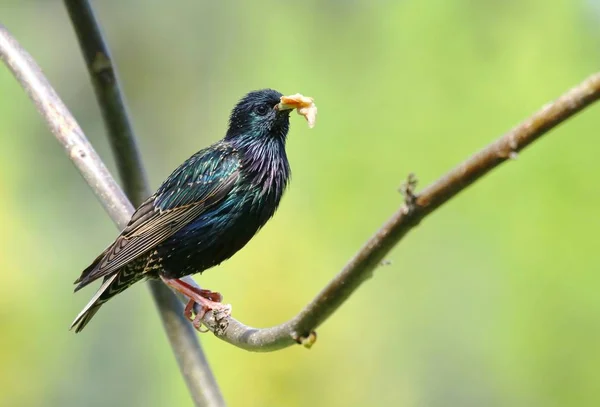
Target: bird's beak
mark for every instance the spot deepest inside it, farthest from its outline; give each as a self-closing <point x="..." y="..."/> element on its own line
<point x="305" y="105"/>
<point x="281" y="106"/>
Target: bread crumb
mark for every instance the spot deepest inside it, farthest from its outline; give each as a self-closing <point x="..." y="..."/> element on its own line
<point x="304" y="105"/>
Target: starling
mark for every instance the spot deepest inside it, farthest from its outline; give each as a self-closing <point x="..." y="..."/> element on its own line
<point x="206" y="210"/>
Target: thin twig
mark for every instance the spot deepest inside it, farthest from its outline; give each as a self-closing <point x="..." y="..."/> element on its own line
<point x="188" y="352"/>
<point x="114" y="111"/>
<point x="360" y="267"/>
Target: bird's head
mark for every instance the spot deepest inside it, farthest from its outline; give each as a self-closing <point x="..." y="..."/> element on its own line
<point x="259" y="116"/>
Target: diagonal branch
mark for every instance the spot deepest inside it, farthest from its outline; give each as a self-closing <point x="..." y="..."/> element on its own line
<point x="64" y="127"/>
<point x="360" y="267"/>
<point x="113" y="108"/>
<point x="188" y="352"/>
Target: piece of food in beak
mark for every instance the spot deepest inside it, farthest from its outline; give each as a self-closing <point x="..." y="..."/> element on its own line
<point x="305" y="107"/>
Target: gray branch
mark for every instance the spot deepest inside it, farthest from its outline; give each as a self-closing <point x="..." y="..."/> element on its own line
<point x="183" y="339"/>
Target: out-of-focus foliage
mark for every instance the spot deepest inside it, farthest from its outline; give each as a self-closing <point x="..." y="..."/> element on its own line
<point x="492" y="301"/>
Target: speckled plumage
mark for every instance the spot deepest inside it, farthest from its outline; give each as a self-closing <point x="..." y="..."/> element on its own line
<point x="207" y="209"/>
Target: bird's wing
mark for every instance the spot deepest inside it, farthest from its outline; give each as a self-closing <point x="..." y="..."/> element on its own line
<point x="199" y="183"/>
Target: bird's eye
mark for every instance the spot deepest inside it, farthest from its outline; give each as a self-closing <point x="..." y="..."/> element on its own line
<point x="261" y="110"/>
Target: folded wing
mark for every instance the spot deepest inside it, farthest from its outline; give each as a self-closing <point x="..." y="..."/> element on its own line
<point x="203" y="181"/>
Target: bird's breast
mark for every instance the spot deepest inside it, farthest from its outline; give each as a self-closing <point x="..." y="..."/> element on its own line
<point x="227" y="226"/>
<point x="220" y="232"/>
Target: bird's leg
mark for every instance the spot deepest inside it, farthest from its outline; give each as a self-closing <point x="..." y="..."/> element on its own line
<point x="206" y="299"/>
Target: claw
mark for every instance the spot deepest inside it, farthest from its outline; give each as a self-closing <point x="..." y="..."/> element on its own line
<point x="189" y="309"/>
<point x="207" y="301"/>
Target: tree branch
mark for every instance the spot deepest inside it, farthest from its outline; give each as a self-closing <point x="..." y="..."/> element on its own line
<point x="360" y="267"/>
<point x="114" y="111"/>
<point x="64" y="127"/>
<point x="61" y="123"/>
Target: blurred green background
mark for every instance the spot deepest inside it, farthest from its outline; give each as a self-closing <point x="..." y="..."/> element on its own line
<point x="492" y="301"/>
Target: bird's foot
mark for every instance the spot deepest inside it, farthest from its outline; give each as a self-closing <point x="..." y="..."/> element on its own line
<point x="219" y="311"/>
<point x="207" y="301"/>
<point x="211" y="296"/>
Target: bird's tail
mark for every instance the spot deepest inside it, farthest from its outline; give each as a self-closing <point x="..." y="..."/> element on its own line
<point x="112" y="285"/>
<point x="102" y="295"/>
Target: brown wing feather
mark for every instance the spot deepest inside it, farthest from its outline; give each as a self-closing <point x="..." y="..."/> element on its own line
<point x="150" y="226"/>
